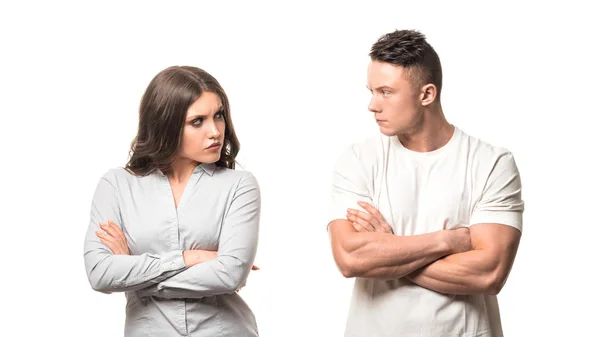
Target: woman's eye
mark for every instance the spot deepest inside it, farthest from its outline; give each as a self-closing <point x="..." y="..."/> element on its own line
<point x="220" y="115"/>
<point x="197" y="121"/>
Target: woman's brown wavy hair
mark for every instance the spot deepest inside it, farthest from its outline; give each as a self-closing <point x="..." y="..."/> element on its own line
<point x="162" y="114"/>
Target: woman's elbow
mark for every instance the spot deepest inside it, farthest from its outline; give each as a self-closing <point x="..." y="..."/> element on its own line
<point x="234" y="276"/>
<point x="99" y="283"/>
<point x="234" y="282"/>
<point x="96" y="270"/>
<point x="99" y="278"/>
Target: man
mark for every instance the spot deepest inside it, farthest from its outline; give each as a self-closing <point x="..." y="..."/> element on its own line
<point x="440" y="214"/>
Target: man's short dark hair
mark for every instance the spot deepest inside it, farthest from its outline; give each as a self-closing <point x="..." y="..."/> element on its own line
<point x="409" y="49"/>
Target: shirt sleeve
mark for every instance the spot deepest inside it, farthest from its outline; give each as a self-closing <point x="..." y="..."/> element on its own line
<point x="108" y="272"/>
<point x="236" y="252"/>
<point x="349" y="185"/>
<point x="501" y="201"/>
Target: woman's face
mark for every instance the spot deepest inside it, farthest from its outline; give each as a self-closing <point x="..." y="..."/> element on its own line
<point x="204" y="130"/>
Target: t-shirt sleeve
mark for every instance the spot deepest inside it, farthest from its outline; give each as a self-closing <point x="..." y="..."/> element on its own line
<point x="501" y="201"/>
<point x="349" y="185"/>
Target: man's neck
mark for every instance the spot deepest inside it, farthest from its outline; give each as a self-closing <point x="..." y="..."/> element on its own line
<point x="433" y="133"/>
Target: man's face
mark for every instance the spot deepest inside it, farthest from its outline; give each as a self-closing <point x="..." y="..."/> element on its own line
<point x="394" y="102"/>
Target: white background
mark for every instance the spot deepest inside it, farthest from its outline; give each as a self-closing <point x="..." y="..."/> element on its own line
<point x="523" y="76"/>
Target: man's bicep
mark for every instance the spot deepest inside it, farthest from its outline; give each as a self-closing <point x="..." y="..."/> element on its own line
<point x="349" y="185"/>
<point x="501" y="201"/>
<point x="498" y="245"/>
<point x="497" y="238"/>
<point x="338" y="228"/>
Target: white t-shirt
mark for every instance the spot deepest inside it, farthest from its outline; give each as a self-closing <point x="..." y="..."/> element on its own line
<point x="465" y="182"/>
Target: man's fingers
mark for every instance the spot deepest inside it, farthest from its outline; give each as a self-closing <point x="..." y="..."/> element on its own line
<point x="368" y="218"/>
<point x="358" y="228"/>
<point x="379" y="226"/>
<point x="372" y="210"/>
<point x="365" y="224"/>
<point x="374" y="217"/>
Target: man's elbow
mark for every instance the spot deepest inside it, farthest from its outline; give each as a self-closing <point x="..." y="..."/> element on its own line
<point x="346" y="264"/>
<point x="494" y="284"/>
<point x="344" y="246"/>
<point x="347" y="271"/>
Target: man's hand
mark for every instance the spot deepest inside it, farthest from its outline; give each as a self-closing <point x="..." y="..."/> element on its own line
<point x="113" y="237"/>
<point x="370" y="221"/>
<point x="458" y="239"/>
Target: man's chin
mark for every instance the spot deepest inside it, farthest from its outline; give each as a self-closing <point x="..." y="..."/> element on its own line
<point x="387" y="132"/>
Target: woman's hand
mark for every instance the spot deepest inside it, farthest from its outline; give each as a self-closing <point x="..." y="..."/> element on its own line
<point x="114" y="238"/>
<point x="195" y="256"/>
<point x="253" y="268"/>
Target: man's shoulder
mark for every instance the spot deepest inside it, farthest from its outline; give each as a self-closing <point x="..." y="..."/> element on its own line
<point x="486" y="158"/>
<point x="483" y="149"/>
<point x="370" y="147"/>
<point x="362" y="155"/>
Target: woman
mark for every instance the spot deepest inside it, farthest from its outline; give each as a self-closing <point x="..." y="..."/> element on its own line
<point x="177" y="228"/>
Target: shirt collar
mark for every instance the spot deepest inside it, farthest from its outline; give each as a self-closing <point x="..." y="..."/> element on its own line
<point x="209" y="168"/>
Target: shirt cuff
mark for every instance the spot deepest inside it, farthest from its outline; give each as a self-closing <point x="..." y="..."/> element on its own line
<point x="513" y="219"/>
<point x="172" y="261"/>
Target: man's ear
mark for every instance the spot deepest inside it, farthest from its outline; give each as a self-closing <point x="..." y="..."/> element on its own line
<point x="428" y="94"/>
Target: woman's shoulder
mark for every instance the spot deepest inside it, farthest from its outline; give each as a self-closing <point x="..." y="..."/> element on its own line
<point x="120" y="175"/>
<point x="235" y="176"/>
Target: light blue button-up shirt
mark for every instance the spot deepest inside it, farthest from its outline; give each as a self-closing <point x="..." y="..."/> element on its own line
<point x="219" y="210"/>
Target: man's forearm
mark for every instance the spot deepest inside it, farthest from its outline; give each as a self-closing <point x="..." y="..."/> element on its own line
<point x="465" y="273"/>
<point x="380" y="255"/>
<point x="483" y="270"/>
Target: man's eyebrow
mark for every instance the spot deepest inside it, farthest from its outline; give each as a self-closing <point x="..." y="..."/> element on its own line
<point x="380" y="88"/>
